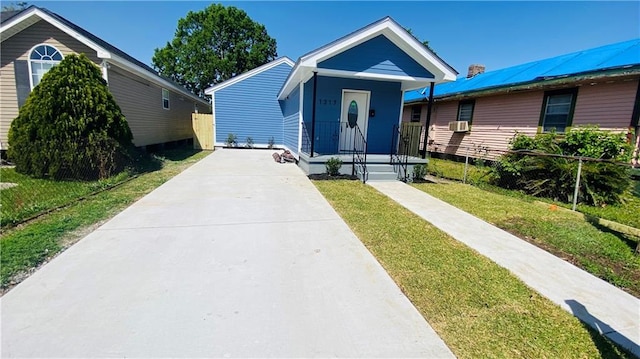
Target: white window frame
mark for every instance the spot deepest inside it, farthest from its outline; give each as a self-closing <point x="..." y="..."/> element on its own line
<point x="165" y="98"/>
<point x="30" y="62"/>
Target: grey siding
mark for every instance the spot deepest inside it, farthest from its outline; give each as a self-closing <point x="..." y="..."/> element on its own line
<point x="250" y="108"/>
<point x="141" y="102"/>
<point x="17" y="48"/>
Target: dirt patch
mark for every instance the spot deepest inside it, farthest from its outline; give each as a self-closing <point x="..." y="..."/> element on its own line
<point x="327" y="177"/>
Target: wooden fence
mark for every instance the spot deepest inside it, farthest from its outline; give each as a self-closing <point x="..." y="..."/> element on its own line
<point x="203" y="131"/>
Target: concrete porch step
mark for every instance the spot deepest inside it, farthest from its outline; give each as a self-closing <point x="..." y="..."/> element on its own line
<point x="383" y="176"/>
<point x="379" y="167"/>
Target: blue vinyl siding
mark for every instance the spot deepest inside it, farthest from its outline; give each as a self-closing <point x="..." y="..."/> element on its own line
<point x="250" y="107"/>
<point x="386" y="99"/>
<point x="291" y="112"/>
<point x="379" y="56"/>
<point x="290" y="132"/>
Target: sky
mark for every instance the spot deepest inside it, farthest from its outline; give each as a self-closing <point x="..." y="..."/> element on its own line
<point x="496" y="34"/>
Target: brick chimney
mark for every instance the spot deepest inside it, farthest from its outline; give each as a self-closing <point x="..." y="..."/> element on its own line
<point x="475" y="69"/>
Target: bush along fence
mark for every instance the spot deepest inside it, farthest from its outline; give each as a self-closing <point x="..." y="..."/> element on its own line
<point x="586" y="166"/>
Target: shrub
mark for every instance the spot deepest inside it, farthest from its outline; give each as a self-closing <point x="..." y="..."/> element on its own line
<point x="333" y="166"/>
<point x="70" y="126"/>
<point x="249" y="142"/>
<point x="419" y="171"/>
<point x="232" y="140"/>
<point x="554" y="176"/>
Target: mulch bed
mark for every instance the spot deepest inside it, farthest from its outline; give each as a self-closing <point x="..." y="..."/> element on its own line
<point x="327" y="177"/>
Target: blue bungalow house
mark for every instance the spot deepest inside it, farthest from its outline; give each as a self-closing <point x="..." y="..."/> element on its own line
<point x="343" y="99"/>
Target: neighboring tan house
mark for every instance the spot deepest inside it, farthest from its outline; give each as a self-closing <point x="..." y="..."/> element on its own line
<point x="599" y="86"/>
<point x="35" y="39"/>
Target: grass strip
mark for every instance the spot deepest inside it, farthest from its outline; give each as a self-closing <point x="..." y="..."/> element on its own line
<point x="26" y="247"/>
<point x="604" y="253"/>
<point x="625" y="213"/>
<point x="478" y="308"/>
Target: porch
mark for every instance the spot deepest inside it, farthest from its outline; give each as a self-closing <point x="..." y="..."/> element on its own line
<point x="349" y="143"/>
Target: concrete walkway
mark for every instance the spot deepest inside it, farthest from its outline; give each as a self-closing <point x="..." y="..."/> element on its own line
<point x="238" y="256"/>
<point x="608" y="309"/>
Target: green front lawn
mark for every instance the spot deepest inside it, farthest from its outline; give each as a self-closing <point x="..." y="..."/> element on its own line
<point x="567" y="234"/>
<point x="478" y="308"/>
<point x="626" y="213"/>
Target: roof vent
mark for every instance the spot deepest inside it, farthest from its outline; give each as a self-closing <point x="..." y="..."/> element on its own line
<point x="475" y="69"/>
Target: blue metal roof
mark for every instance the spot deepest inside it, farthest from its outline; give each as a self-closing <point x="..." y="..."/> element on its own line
<point x="618" y="55"/>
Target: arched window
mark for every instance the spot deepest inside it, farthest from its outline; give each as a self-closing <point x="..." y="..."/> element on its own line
<point x="41" y="59"/>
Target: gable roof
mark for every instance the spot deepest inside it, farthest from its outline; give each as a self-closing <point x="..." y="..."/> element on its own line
<point x="308" y="63"/>
<point x="6" y="15"/>
<point x="257" y="70"/>
<point x="600" y="60"/>
<point x="11" y="25"/>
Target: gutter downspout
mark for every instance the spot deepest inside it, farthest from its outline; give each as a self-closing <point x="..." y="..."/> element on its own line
<point x="313" y="112"/>
<point x="104" y="66"/>
<point x="428" y="122"/>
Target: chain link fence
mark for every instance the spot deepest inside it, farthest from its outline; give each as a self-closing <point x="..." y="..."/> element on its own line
<point x="24" y="197"/>
<point x="569" y="179"/>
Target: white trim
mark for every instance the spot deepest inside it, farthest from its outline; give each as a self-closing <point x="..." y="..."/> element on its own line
<point x="257" y="70"/>
<point x="104" y="67"/>
<point x="168" y="98"/>
<point x="101" y="52"/>
<point x="391" y="30"/>
<point x="401" y="108"/>
<point x="366" y="112"/>
<point x="29" y="61"/>
<point x="300" y="117"/>
<point x="372" y="76"/>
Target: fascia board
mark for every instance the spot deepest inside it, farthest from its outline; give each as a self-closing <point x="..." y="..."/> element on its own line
<point x="248" y="74"/>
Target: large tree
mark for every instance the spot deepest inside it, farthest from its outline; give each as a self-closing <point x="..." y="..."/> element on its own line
<point x="214" y="45"/>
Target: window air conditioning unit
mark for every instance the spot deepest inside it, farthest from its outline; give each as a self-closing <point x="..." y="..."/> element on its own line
<point x="459" y="126"/>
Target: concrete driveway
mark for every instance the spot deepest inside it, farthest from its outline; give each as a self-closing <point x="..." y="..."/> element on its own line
<point x="238" y="256"/>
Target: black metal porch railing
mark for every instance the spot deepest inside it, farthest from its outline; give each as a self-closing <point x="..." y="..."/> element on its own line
<point x="360" y="155"/>
<point x="331" y="138"/>
<point x="405" y="142"/>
